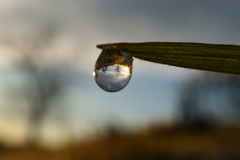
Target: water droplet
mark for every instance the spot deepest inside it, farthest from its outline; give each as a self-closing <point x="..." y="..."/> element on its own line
<point x="113" y="70"/>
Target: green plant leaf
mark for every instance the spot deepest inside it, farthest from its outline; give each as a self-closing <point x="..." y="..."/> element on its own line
<point x="209" y="57"/>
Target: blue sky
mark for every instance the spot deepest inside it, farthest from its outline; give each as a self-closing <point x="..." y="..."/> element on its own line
<point x="151" y="94"/>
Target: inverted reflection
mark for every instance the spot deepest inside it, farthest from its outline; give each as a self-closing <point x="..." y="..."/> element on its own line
<point x="113" y="70"/>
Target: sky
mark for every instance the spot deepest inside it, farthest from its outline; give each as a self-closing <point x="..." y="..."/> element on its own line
<point x="152" y="93"/>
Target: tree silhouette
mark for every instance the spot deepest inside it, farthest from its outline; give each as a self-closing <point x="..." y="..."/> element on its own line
<point x="208" y="98"/>
<point x="45" y="83"/>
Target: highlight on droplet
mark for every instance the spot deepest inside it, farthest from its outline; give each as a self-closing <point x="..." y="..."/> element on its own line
<point x="126" y="69"/>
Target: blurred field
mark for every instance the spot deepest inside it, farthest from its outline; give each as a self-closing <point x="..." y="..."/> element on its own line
<point x="164" y="143"/>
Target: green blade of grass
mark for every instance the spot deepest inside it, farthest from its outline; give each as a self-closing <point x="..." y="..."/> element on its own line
<point x="209" y="57"/>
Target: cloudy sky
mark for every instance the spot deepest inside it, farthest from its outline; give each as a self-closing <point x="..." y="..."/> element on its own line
<point x="79" y="25"/>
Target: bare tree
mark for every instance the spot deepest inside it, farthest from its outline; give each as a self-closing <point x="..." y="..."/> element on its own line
<point x="45" y="84"/>
<point x="210" y="97"/>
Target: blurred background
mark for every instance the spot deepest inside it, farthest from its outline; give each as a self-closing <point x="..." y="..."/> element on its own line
<point x="49" y="99"/>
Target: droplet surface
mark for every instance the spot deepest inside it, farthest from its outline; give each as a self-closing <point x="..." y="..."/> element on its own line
<point x="113" y="70"/>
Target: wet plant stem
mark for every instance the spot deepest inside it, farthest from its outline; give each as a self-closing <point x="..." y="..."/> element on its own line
<point x="209" y="57"/>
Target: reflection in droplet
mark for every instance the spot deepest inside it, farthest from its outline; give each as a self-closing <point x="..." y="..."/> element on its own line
<point x="113" y="70"/>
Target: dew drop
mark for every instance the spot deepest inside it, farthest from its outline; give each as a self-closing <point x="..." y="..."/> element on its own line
<point x="113" y="70"/>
